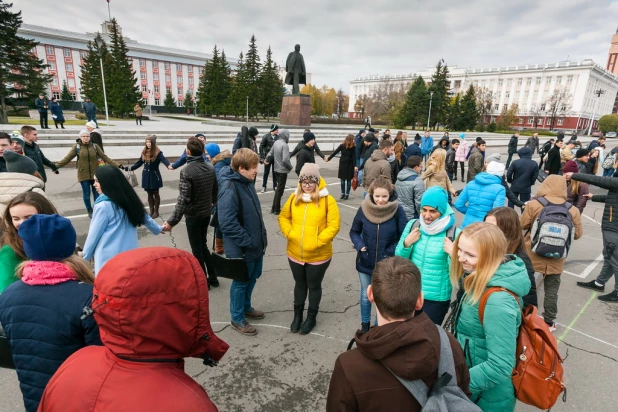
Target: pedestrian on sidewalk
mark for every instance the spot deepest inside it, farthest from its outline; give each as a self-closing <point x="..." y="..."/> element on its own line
<point x="5" y="145"/>
<point x="42" y="105"/>
<point x="315" y="148"/>
<point x="554" y="190"/>
<point x="91" y="111"/>
<point x="137" y="109"/>
<point x="522" y="175"/>
<point x="415" y="148"/>
<point x="306" y="153"/>
<point x="88" y="155"/>
<point x="476" y="159"/>
<point x="401" y="137"/>
<point x="17" y="143"/>
<point x="345" y="172"/>
<point x="533" y="142"/>
<point x="244" y="233"/>
<point x="544" y="151"/>
<point x="451" y="164"/>
<point x="377" y="165"/>
<point x="182" y="160"/>
<point x="358" y="144"/>
<point x="162" y="299"/>
<point x="279" y="157"/>
<point x="57" y="114"/>
<point x="309" y="221"/>
<point x="32" y="150"/>
<point x="461" y="155"/>
<point x="118" y="212"/>
<point x="198" y="190"/>
<point x="41" y="312"/>
<point x="397" y="160"/>
<point x="219" y="162"/>
<point x="566" y="153"/>
<point x="553" y="164"/>
<point x="267" y="142"/>
<point x="152" y="181"/>
<point x="375" y="232"/>
<point x="512" y="148"/>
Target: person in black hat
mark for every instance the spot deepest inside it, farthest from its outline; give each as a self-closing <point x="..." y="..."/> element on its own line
<point x="268" y="140"/>
<point x="582" y="159"/>
<point x="305" y="154"/>
<point x="315" y="148"/>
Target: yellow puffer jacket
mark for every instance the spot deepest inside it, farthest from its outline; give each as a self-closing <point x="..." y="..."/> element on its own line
<point x="308" y="228"/>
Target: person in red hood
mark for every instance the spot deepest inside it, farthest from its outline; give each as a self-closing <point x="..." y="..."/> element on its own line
<point x="408" y="345"/>
<point x="151" y="305"/>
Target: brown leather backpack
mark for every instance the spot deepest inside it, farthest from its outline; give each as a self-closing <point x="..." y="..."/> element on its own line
<point x="537" y="376"/>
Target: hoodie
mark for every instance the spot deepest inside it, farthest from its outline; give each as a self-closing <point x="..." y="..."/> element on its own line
<point x="280" y="153"/>
<point x="426" y="145"/>
<point x="410" y="189"/>
<point x="376" y="166"/>
<point x="479" y="196"/>
<point x="476" y="161"/>
<point x="523" y="172"/>
<point x="410" y="349"/>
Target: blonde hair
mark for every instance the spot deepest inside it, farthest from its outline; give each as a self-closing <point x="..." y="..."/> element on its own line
<point x="315" y="195"/>
<point x="492" y="247"/>
<point x="77" y="265"/>
<point x="437" y="160"/>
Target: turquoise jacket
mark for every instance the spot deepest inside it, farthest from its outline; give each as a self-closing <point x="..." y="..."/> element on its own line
<point x="490" y="348"/>
<point x="429" y="255"/>
<point x="8" y="263"/>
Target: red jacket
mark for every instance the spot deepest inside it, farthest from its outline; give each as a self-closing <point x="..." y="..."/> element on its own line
<point x="151" y="305"/>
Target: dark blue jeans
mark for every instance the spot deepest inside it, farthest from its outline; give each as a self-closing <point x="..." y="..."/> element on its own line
<point x="436" y="310"/>
<point x="345" y="190"/>
<point x="92" y="118"/>
<point x="240" y="292"/>
<point x="87" y="186"/>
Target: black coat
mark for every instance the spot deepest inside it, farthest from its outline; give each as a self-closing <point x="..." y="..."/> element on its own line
<point x="523" y="172"/>
<point x="33" y="151"/>
<point x="347" y="161"/>
<point x="305" y="155"/>
<point x="609" y="221"/>
<point x="513" y="145"/>
<point x="552" y="165"/>
<point x="151" y="177"/>
<point x="413" y="150"/>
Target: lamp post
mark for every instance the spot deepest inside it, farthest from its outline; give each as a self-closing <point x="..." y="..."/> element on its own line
<point x="150" y="104"/>
<point x="430" y="100"/>
<point x="247" y="109"/>
<point x="98" y="41"/>
<point x="594" y="112"/>
<point x="338" y="115"/>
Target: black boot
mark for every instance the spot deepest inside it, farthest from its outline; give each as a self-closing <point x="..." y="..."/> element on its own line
<point x="298" y="318"/>
<point x="365" y="326"/>
<point x="157" y="203"/>
<point x="151" y="203"/>
<point x="309" y="323"/>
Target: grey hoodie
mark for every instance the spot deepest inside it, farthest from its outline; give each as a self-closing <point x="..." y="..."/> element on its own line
<point x="410" y="189"/>
<point x="280" y="153"/>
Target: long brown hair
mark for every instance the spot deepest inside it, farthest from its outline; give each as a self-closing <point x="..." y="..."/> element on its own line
<point x="9" y="233"/>
<point x="349" y="141"/>
<point x="398" y="150"/>
<point x="76" y="264"/>
<point x="507" y="220"/>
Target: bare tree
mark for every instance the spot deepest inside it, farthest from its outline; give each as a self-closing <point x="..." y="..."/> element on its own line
<point x="484" y="103"/>
<point x="558" y="104"/>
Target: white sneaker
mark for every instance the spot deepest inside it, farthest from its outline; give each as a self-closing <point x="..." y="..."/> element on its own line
<point x="552" y="327"/>
<point x="263" y="190"/>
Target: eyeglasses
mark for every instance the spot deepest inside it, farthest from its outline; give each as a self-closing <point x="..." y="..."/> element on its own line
<point x="307" y="184"/>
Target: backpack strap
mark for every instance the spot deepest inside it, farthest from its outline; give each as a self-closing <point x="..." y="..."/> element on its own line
<point x="544" y="202"/>
<point x="450" y="233"/>
<point x="417" y="388"/>
<point x="487" y="294"/>
<point x="416" y="224"/>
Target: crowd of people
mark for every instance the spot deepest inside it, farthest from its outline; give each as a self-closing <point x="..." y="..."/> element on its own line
<point x="134" y="313"/>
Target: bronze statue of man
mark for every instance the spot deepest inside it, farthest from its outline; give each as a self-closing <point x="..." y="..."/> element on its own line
<point x="295" y="70"/>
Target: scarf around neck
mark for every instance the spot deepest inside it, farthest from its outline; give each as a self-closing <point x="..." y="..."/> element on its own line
<point x="46" y="273"/>
<point x="377" y="214"/>
<point x="307" y="196"/>
<point x="438" y="225"/>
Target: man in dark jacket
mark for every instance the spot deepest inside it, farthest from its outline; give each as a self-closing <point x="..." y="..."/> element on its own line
<point x="279" y="157"/>
<point x="32" y="150"/>
<point x="5" y="144"/>
<point x="358" y="141"/>
<point x="42" y="106"/>
<point x="582" y="159"/>
<point x="533" y="142"/>
<point x="476" y="160"/>
<point x="90" y="110"/>
<point x="544" y="150"/>
<point x="267" y="142"/>
<point x="402" y="346"/>
<point x="609" y="230"/>
<point x="522" y="175"/>
<point x="244" y="233"/>
<point x="553" y="164"/>
<point x="512" y="149"/>
<point x="370" y="143"/>
<point x="305" y="154"/>
<point x="415" y="148"/>
<point x="197" y="192"/>
<point x="450" y="159"/>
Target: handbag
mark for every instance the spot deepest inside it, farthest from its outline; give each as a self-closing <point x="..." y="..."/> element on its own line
<point x="229" y="268"/>
<point x="355" y="180"/>
<point x="132" y="178"/>
<point x="6" y="358"/>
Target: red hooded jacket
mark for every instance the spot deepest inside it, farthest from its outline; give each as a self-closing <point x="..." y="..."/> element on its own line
<point x="151" y="305"/>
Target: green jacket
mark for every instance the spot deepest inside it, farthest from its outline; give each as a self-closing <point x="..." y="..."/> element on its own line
<point x="490" y="349"/>
<point x="8" y="263"/>
<point x="87" y="161"/>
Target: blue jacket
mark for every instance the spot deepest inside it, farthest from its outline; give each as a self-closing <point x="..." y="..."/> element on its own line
<point x="56" y="110"/>
<point x="380" y="239"/>
<point x="220" y="165"/>
<point x="482" y="194"/>
<point x="151" y="177"/>
<point x="183" y="159"/>
<point x="111" y="233"/>
<point x="523" y="172"/>
<point x="358" y="140"/>
<point x="248" y="239"/>
<point x="426" y="144"/>
<point x="413" y="150"/>
<point x="44" y="328"/>
<point x="90" y="108"/>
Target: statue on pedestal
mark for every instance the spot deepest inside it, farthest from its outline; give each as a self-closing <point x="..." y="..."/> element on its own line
<point x="295" y="70"/>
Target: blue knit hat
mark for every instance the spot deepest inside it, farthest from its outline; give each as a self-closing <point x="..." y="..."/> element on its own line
<point x="48" y="237"/>
<point x="462" y="135"/>
<point x="437" y="198"/>
<point x="213" y="149"/>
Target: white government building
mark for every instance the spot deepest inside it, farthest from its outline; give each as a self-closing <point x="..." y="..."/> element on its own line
<point x="528" y="86"/>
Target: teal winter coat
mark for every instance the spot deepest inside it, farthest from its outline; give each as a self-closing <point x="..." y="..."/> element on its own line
<point x="429" y="256"/>
<point x="490" y="348"/>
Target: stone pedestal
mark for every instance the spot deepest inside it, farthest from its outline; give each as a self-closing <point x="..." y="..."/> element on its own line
<point x="296" y="110"/>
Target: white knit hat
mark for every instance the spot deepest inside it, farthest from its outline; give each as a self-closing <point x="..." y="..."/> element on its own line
<point x="91" y="124"/>
<point x="495" y="168"/>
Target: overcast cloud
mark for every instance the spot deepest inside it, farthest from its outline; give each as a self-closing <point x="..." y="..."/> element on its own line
<point x="345" y="39"/>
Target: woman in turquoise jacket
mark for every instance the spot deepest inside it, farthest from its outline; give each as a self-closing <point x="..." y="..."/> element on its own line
<point x="426" y="243"/>
<point x="479" y="262"/>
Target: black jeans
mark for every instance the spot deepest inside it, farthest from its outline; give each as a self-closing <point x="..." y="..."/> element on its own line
<point x="43" y="119"/>
<point x="282" y="178"/>
<point x="508" y="160"/>
<point x="524" y="197"/>
<point x="138" y="119"/>
<point x="436" y="310"/>
<point x="197" y="227"/>
<point x="308" y="278"/>
<point x="266" y="173"/>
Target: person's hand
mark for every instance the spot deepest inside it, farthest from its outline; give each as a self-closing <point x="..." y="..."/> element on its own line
<point x="364" y="249"/>
<point x="448" y="245"/>
<point x="412" y="237"/>
<point x="266" y="163"/>
<point x="588" y="195"/>
<point x="325" y="160"/>
<point x="355" y="169"/>
<point x="80" y="253"/>
<point x="170" y="167"/>
<point x="547" y="171"/>
<point x="167" y="227"/>
<point x="568" y="175"/>
<point x="454" y="193"/>
<point x="57" y="171"/>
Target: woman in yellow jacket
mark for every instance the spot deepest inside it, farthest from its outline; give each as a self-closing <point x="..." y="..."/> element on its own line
<point x="309" y="220"/>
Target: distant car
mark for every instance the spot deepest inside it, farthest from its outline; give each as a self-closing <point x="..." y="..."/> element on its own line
<point x="611" y="134"/>
<point x="597" y="134"/>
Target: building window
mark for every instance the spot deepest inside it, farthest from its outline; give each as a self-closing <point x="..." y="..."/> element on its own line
<point x="505" y="107"/>
<point x="519" y="81"/>
<point x="54" y="81"/>
<point x="559" y="79"/>
<point x="529" y="81"/>
<point x="548" y="80"/>
<point x="167" y="65"/>
<point x="49" y="49"/>
<point x="83" y="54"/>
<point x="496" y="107"/>
<point x="517" y="95"/>
<point x="52" y="65"/>
<point x="538" y="80"/>
<point x="190" y="69"/>
<point x="560" y="121"/>
<point x="570" y="79"/>
<point x="178" y="67"/>
<point x="539" y="121"/>
<point x="144" y="88"/>
<point x="530" y="120"/>
<point x="508" y="83"/>
<point x="179" y="79"/>
<point x="155" y="64"/>
<point x="56" y="95"/>
<point x="526" y="94"/>
<point x="156" y="89"/>
<point x="73" y="96"/>
<point x="168" y="78"/>
<point x="69" y="67"/>
<point x="549" y="121"/>
<point x="190" y="80"/>
<point x="71" y="82"/>
<point x="535" y="94"/>
<point x="543" y="107"/>
<point x="500" y="82"/>
<point x="155" y="76"/>
<point x="180" y="91"/>
<point x="507" y="94"/>
<point x="142" y="75"/>
<point x="201" y="70"/>
<point x="67" y="52"/>
<point x="157" y="102"/>
<point x="179" y="103"/>
<point x="142" y="63"/>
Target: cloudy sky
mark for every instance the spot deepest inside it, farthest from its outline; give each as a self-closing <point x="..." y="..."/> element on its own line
<point x="345" y="39"/>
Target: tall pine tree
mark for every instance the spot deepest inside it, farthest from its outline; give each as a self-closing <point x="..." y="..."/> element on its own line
<point x="440" y="100"/>
<point x="65" y="97"/>
<point x="416" y="107"/>
<point x="124" y="91"/>
<point x="20" y="70"/>
<point x="90" y="79"/>
<point x="206" y="89"/>
<point x="169" y="102"/>
<point x="239" y="89"/>
<point x="252" y="70"/>
<point x="187" y="102"/>
<point x="225" y="84"/>
<point x="271" y="87"/>
<point x="469" y="112"/>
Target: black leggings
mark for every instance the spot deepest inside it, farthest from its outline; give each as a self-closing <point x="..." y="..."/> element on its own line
<point x="308" y="278"/>
<point x="461" y="164"/>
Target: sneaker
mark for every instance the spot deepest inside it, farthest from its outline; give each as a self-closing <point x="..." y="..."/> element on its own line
<point x="552" y="326"/>
<point x="263" y="190"/>
<point x="610" y="297"/>
<point x="213" y="282"/>
<point x="346" y="197"/>
<point x="256" y="314"/>
<point x="591" y="285"/>
<point x="342" y="196"/>
<point x="246" y="329"/>
<point x="365" y="327"/>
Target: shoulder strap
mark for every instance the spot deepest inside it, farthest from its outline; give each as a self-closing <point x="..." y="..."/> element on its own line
<point x="416" y="224"/>
<point x="417" y="388"/>
<point x="486" y="296"/>
<point x="544" y="202"/>
<point x="447" y="362"/>
<point x="450" y="233"/>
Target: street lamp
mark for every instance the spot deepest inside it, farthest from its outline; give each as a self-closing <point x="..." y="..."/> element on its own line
<point x="338" y="115"/>
<point x="98" y="41"/>
<point x="594" y="112"/>
<point x="247" y="109"/>
<point x="430" y="100"/>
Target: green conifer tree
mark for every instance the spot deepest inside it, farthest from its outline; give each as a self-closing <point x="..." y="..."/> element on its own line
<point x="65" y="97"/>
<point x="123" y="92"/>
<point x="440" y="100"/>
<point x="187" y="102"/>
<point x="252" y="76"/>
<point x="239" y="89"/>
<point x="469" y="111"/>
<point x="271" y="87"/>
<point x="90" y="79"/>
<point x="169" y="102"/>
